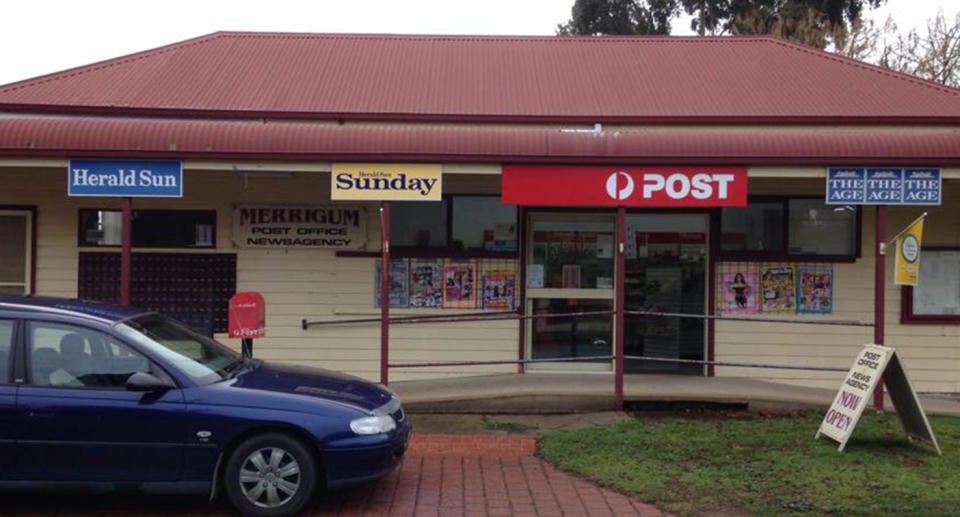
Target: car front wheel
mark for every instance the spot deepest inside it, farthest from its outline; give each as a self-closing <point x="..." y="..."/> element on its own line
<point x="270" y="475"/>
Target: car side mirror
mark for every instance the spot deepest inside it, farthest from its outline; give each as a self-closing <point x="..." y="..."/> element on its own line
<point x="143" y="381"/>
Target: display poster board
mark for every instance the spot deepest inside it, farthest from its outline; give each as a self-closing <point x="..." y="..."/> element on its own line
<point x="386" y="182"/>
<point x="399" y="282"/>
<point x="740" y="291"/>
<point x="777" y="288"/>
<point x="426" y="283"/>
<point x="815" y="289"/>
<point x="300" y="227"/>
<point x="875" y="362"/>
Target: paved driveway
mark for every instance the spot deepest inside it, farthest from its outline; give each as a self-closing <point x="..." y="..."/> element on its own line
<point x="443" y="475"/>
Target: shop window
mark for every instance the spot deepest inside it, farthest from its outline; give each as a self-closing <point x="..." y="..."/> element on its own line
<point x="936" y="298"/>
<point x="461" y="224"/>
<point x="151" y="228"/>
<point x="484" y="223"/>
<point x="194" y="288"/>
<point x="421" y="224"/>
<point x="790" y="229"/>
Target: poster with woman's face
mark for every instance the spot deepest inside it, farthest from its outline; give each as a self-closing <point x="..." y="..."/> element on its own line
<point x="777" y="289"/>
<point x="740" y="293"/>
<point x="459" y="285"/>
<point x="815" y="289"/>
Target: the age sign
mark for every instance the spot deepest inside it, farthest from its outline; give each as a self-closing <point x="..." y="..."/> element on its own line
<point x="574" y="185"/>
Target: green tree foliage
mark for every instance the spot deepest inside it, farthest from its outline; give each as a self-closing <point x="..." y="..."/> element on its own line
<point x="813" y="22"/>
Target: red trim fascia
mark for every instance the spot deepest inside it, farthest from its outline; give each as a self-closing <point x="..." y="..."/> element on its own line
<point x="32" y="288"/>
<point x="495" y="159"/>
<point x="462" y="117"/>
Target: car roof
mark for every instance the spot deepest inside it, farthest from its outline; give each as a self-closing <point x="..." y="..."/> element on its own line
<point x="105" y="312"/>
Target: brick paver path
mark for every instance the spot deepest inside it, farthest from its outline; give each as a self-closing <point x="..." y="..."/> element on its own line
<point x="479" y="475"/>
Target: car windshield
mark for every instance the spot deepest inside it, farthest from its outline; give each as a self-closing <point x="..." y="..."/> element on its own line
<point x="198" y="357"/>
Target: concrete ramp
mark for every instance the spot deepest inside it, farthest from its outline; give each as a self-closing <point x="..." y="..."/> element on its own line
<point x="578" y="392"/>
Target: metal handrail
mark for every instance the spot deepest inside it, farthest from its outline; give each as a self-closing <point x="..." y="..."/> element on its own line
<point x="446" y="318"/>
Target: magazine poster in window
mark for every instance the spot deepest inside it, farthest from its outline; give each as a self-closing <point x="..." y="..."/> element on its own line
<point x="571" y="276"/>
<point x="499" y="281"/>
<point x="777" y="288"/>
<point x="426" y="283"/>
<point x="399" y="283"/>
<point x="459" y="284"/>
<point x="815" y="289"/>
<point x="740" y="291"/>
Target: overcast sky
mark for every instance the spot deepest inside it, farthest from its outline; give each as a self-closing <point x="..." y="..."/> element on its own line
<point x="43" y="36"/>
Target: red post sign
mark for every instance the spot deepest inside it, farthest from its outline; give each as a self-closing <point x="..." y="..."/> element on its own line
<point x="247" y="315"/>
<point x="589" y="185"/>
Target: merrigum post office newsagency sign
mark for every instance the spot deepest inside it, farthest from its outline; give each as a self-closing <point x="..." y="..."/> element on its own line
<point x="125" y="178"/>
<point x="300" y="227"/>
<point x="883" y="186"/>
<point x="575" y="185"/>
<point x="385" y="182"/>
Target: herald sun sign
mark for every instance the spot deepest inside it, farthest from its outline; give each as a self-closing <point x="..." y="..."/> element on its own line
<point x="624" y="186"/>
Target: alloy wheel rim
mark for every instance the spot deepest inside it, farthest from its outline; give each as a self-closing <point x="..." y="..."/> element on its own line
<point x="269" y="477"/>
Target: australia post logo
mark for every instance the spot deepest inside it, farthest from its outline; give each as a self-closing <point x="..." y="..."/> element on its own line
<point x="612" y="186"/>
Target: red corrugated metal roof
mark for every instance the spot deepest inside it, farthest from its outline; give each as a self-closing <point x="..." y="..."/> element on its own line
<point x="592" y="79"/>
<point x="184" y="138"/>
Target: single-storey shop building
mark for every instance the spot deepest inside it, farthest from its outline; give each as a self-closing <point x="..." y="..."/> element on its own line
<point x="513" y="154"/>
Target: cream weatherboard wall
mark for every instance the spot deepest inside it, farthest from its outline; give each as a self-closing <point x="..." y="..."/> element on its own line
<point x="297" y="284"/>
<point x="931" y="352"/>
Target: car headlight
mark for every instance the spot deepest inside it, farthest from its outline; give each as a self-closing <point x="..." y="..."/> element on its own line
<point x="373" y="424"/>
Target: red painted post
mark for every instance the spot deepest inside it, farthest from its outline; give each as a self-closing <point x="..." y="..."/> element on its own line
<point x="126" y="232"/>
<point x="384" y="291"/>
<point x="879" y="287"/>
<point x="619" y="330"/>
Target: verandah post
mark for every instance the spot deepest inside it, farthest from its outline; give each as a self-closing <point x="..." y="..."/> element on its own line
<point x="619" y="295"/>
<point x="879" y="286"/>
<point x="384" y="291"/>
<point x="126" y="233"/>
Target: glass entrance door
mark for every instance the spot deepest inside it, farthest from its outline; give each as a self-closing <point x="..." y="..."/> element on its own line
<point x="570" y="268"/>
<point x="666" y="260"/>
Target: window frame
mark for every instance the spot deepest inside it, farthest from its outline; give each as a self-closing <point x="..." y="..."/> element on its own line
<point x="31" y="211"/>
<point x="785" y="256"/>
<point x="447" y="250"/>
<point x="26" y="345"/>
<point x="82" y="244"/>
<point x="907" y="315"/>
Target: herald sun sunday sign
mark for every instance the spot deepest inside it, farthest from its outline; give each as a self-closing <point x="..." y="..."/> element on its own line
<point x="386" y="182"/>
<point x="590" y="185"/>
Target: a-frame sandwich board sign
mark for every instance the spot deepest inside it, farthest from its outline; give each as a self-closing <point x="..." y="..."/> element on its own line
<point x="873" y="363"/>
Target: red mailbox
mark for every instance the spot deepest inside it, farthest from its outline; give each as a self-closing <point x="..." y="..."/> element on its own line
<point x="247" y="315"/>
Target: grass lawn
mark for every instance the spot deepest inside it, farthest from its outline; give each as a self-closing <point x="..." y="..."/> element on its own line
<point x="760" y="465"/>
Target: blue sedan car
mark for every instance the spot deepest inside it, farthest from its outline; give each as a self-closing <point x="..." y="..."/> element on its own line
<point x="103" y="394"/>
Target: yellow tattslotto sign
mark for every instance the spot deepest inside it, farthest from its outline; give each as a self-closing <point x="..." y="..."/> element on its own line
<point x="907" y="262"/>
<point x="385" y="182"/>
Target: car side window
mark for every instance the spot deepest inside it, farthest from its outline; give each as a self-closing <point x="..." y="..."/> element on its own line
<point x="71" y="356"/>
<point x="6" y="345"/>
